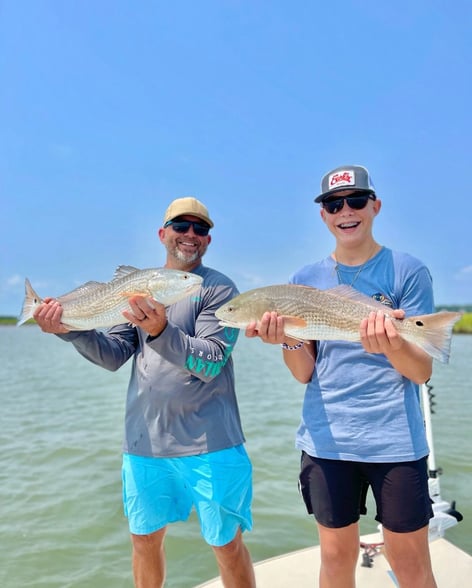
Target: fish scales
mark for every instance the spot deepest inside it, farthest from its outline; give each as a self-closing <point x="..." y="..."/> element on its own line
<point x="101" y="304"/>
<point x="335" y="314"/>
<point x="327" y="316"/>
<point x="104" y="303"/>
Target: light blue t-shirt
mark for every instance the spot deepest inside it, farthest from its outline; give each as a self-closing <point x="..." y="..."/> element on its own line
<point x="357" y="407"/>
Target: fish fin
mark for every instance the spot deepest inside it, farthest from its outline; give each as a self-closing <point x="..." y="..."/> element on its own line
<point x="124" y="270"/>
<point x="436" y="329"/>
<point x="294" y="321"/>
<point x="30" y="304"/>
<point x="82" y="290"/>
<point x="350" y="293"/>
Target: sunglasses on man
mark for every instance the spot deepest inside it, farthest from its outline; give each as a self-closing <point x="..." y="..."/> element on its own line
<point x="354" y="201"/>
<point x="183" y="226"/>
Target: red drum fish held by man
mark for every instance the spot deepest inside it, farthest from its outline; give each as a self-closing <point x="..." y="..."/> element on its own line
<point x="100" y="304"/>
<point x="311" y="314"/>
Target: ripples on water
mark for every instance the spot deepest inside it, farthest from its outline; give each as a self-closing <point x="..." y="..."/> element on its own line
<point x="61" y="521"/>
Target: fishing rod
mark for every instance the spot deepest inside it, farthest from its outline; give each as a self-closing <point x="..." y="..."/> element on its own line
<point x="445" y="513"/>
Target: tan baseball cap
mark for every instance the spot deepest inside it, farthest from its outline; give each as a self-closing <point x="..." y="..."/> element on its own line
<point x="187" y="205"/>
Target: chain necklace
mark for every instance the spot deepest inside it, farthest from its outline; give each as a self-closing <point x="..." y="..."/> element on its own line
<point x="338" y="272"/>
<point x="357" y="274"/>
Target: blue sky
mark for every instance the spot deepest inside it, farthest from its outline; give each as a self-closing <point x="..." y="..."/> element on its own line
<point x="111" y="109"/>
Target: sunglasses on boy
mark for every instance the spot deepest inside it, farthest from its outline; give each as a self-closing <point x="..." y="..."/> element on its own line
<point x="182" y="226"/>
<point x="354" y="201"/>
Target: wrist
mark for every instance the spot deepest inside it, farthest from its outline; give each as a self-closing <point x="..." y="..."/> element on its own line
<point x="155" y="334"/>
<point x="288" y="347"/>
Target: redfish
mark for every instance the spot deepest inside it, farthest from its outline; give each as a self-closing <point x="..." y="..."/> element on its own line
<point x="335" y="314"/>
<point x="100" y="304"/>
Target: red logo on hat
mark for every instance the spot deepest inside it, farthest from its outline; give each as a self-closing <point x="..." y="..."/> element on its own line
<point x="343" y="178"/>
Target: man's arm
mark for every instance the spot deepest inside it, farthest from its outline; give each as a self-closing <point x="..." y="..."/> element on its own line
<point x="109" y="350"/>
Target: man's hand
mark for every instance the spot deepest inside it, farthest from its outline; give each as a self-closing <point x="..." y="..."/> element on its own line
<point x="147" y="314"/>
<point x="48" y="316"/>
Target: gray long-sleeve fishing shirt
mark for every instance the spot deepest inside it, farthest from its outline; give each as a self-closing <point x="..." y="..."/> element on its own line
<point x="181" y="395"/>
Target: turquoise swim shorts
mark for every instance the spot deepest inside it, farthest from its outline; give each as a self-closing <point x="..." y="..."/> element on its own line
<point x="162" y="490"/>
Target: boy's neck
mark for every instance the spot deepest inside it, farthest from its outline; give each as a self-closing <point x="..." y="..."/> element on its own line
<point x="356" y="256"/>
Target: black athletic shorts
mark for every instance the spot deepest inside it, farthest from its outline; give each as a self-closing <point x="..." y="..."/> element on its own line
<point x="335" y="491"/>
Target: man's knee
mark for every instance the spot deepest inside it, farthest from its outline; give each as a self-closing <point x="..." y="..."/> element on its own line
<point x="232" y="547"/>
<point x="151" y="542"/>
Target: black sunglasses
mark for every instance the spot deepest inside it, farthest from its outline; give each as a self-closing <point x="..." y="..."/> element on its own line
<point x="357" y="202"/>
<point x="183" y="226"/>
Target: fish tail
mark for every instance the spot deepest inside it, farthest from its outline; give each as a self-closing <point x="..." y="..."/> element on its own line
<point x="436" y="332"/>
<point x="30" y="304"/>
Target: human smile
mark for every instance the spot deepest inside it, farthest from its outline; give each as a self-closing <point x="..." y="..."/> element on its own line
<point x="350" y="225"/>
<point x="187" y="244"/>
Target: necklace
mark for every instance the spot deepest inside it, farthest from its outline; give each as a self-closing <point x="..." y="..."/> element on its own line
<point x="340" y="280"/>
<point x="357" y="274"/>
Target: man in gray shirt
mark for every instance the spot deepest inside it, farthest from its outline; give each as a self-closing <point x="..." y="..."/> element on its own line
<point x="183" y="443"/>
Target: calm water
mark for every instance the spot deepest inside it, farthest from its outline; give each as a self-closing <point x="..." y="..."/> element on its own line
<point x="61" y="522"/>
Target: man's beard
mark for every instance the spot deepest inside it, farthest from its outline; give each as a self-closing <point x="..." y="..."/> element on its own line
<point x="183" y="257"/>
<point x="186" y="258"/>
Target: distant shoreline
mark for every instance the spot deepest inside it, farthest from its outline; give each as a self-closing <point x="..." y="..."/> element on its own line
<point x="462" y="327"/>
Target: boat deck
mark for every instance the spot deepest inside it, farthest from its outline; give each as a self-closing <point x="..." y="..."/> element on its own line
<point x="452" y="568"/>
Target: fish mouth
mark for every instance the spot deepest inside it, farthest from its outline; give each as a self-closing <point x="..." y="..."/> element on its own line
<point x="225" y="323"/>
